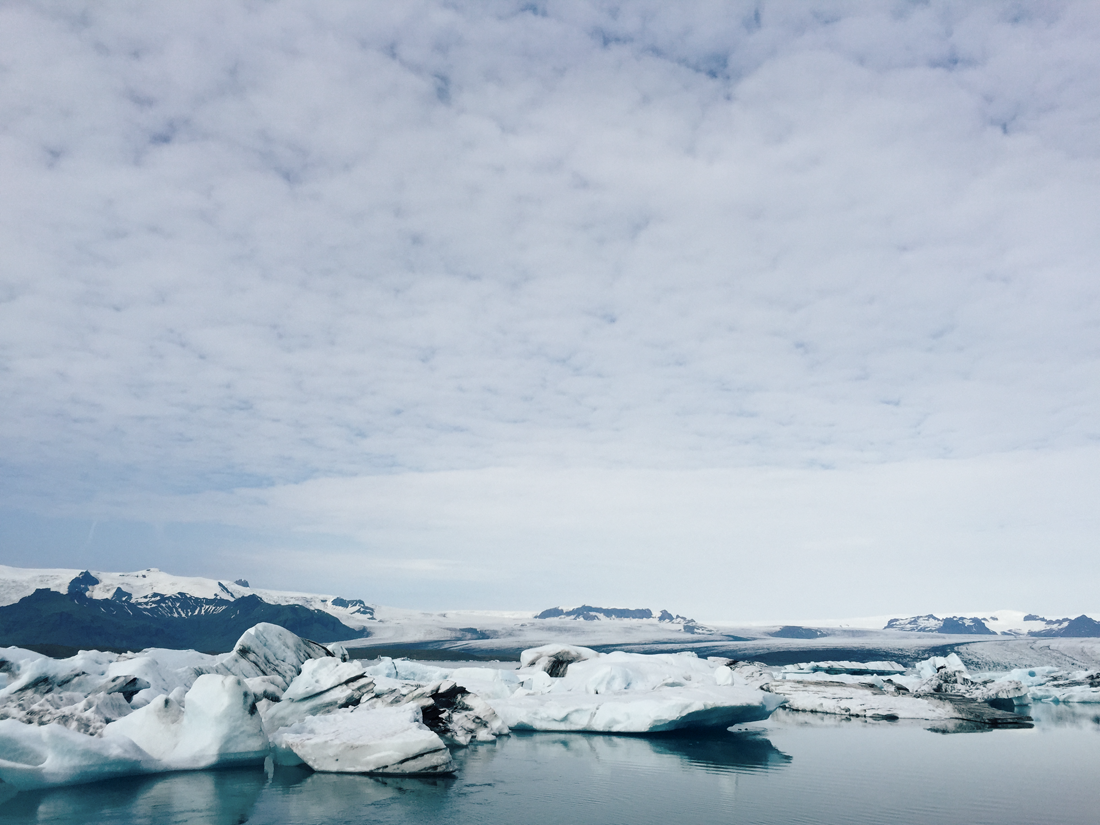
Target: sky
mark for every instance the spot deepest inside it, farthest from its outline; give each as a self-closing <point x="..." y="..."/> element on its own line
<point x="746" y="310"/>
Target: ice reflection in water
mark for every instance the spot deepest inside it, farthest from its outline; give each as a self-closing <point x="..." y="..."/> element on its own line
<point x="224" y="797"/>
<point x="536" y="777"/>
<point x="801" y="768"/>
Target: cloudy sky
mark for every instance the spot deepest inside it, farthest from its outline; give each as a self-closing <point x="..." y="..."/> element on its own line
<point x="747" y="310"/>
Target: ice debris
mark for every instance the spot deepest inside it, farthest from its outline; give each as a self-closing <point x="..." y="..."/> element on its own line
<point x="1050" y="684"/>
<point x="940" y="688"/>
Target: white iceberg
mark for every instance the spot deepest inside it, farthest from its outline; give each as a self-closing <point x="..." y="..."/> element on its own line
<point x="391" y="740"/>
<point x="216" y="725"/>
<point x="39" y="756"/>
<point x="939" y="689"/>
<point x="1050" y="684"/>
<point x="847" y="668"/>
<point x="629" y="693"/>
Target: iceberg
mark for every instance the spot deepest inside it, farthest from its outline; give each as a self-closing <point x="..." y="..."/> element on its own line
<point x="324" y="685"/>
<point x="1050" y="684"/>
<point x="269" y="650"/>
<point x="392" y="740"/>
<point x="939" y="689"/>
<point x="629" y="693"/>
<point x="215" y="725"/>
<point x="457" y="715"/>
<point x="96" y="715"/>
<point x="75" y="693"/>
<point x="554" y="659"/>
<point x="40" y="756"/>
<point x="846" y="668"/>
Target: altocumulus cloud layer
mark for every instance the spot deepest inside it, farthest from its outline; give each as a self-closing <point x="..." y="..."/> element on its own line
<point x="750" y="309"/>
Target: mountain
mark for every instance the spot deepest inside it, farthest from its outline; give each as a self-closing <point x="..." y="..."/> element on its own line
<point x="1003" y="623"/>
<point x="1081" y="627"/>
<point x="588" y="613"/>
<point x="132" y="611"/>
<point x="959" y="625"/>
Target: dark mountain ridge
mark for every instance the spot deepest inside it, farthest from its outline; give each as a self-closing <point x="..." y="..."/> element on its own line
<point x="1081" y="627"/>
<point x="48" y="619"/>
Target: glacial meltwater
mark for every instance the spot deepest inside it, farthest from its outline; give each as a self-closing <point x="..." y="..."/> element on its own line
<point x="796" y="768"/>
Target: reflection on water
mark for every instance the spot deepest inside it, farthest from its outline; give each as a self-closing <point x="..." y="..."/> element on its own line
<point x="718" y="751"/>
<point x="799" y="768"/>
<point x="224" y="797"/>
<point x="1083" y="715"/>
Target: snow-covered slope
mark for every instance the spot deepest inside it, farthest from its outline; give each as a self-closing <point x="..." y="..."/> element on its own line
<point x="152" y="588"/>
<point x="1000" y="622"/>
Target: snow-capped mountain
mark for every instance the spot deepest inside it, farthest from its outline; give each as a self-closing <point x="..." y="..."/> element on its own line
<point x="589" y="613"/>
<point x="959" y="625"/>
<point x="1003" y="622"/>
<point x="169" y="595"/>
<point x="68" y="609"/>
<point x="82" y="608"/>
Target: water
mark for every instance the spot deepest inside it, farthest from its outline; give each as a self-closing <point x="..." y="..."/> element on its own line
<point x="797" y="768"/>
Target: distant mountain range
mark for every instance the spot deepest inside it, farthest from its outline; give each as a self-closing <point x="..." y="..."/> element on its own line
<point x="133" y="611"/>
<point x="61" y="611"/>
<point x="589" y="613"/>
<point x="1081" y="627"/>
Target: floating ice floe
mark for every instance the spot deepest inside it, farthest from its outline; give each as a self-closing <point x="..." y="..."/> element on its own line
<point x="843" y="668"/>
<point x="1050" y="684"/>
<point x="628" y="693"/>
<point x="940" y="688"/>
<point x="214" y="724"/>
<point x="390" y="740"/>
<point x="38" y="756"/>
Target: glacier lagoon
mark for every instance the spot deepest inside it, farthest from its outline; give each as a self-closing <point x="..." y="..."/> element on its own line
<point x="796" y="767"/>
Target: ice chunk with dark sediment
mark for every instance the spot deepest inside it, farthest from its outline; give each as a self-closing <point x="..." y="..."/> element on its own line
<point x="75" y="693"/>
<point x="269" y="650"/>
<point x="323" y="686"/>
<point x="214" y="724"/>
<point x="948" y="676"/>
<point x="846" y="668"/>
<point x="554" y="659"/>
<point x="939" y="689"/>
<point x="457" y="715"/>
<point x="389" y="740"/>
<point x="1050" y="684"/>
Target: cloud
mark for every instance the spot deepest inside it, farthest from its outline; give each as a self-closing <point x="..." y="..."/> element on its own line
<point x="735" y="543"/>
<point x="274" y="247"/>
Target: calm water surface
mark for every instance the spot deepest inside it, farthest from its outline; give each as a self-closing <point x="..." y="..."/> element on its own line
<point x="796" y="768"/>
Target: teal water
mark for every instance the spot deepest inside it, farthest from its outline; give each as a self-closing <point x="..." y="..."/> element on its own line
<point x="797" y="768"/>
